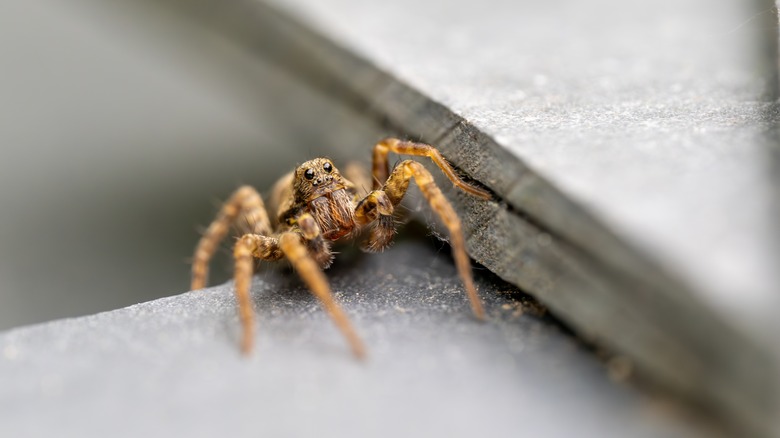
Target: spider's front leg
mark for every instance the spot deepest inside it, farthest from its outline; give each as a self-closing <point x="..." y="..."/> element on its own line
<point x="248" y="247"/>
<point x="378" y="206"/>
<point x="306" y="250"/>
<point x="376" y="209"/>
<point x="297" y="249"/>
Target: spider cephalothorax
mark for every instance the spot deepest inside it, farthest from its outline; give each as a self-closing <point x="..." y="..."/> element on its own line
<point x="319" y="188"/>
<point x="316" y="205"/>
<point x="315" y="178"/>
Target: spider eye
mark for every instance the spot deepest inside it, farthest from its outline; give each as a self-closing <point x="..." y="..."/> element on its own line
<point x="328" y="167"/>
<point x="309" y="174"/>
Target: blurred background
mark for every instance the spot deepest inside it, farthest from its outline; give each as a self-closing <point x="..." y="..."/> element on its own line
<point x="122" y="128"/>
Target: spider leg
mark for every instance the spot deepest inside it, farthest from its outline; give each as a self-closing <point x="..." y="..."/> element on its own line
<point x="376" y="209"/>
<point x="319" y="248"/>
<point x="380" y="166"/>
<point x="244" y="203"/>
<point x="291" y="243"/>
<point x="246" y="248"/>
<point x="395" y="189"/>
<point x="251" y="246"/>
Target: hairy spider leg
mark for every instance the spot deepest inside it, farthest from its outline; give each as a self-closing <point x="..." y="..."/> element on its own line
<point x="380" y="167"/>
<point x="376" y="209"/>
<point x="295" y="251"/>
<point x="244" y="203"/>
<point x="306" y="250"/>
<point x="395" y="188"/>
<point x="247" y="247"/>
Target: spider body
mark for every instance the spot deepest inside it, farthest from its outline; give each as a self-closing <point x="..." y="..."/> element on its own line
<point x="316" y="205"/>
<point x="320" y="190"/>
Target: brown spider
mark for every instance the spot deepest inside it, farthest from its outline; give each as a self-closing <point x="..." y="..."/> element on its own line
<point x="315" y="206"/>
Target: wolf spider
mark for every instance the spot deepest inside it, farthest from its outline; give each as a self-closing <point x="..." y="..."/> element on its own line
<point x="315" y="206"/>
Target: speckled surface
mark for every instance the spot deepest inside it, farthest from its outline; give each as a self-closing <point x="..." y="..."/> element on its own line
<point x="171" y="367"/>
